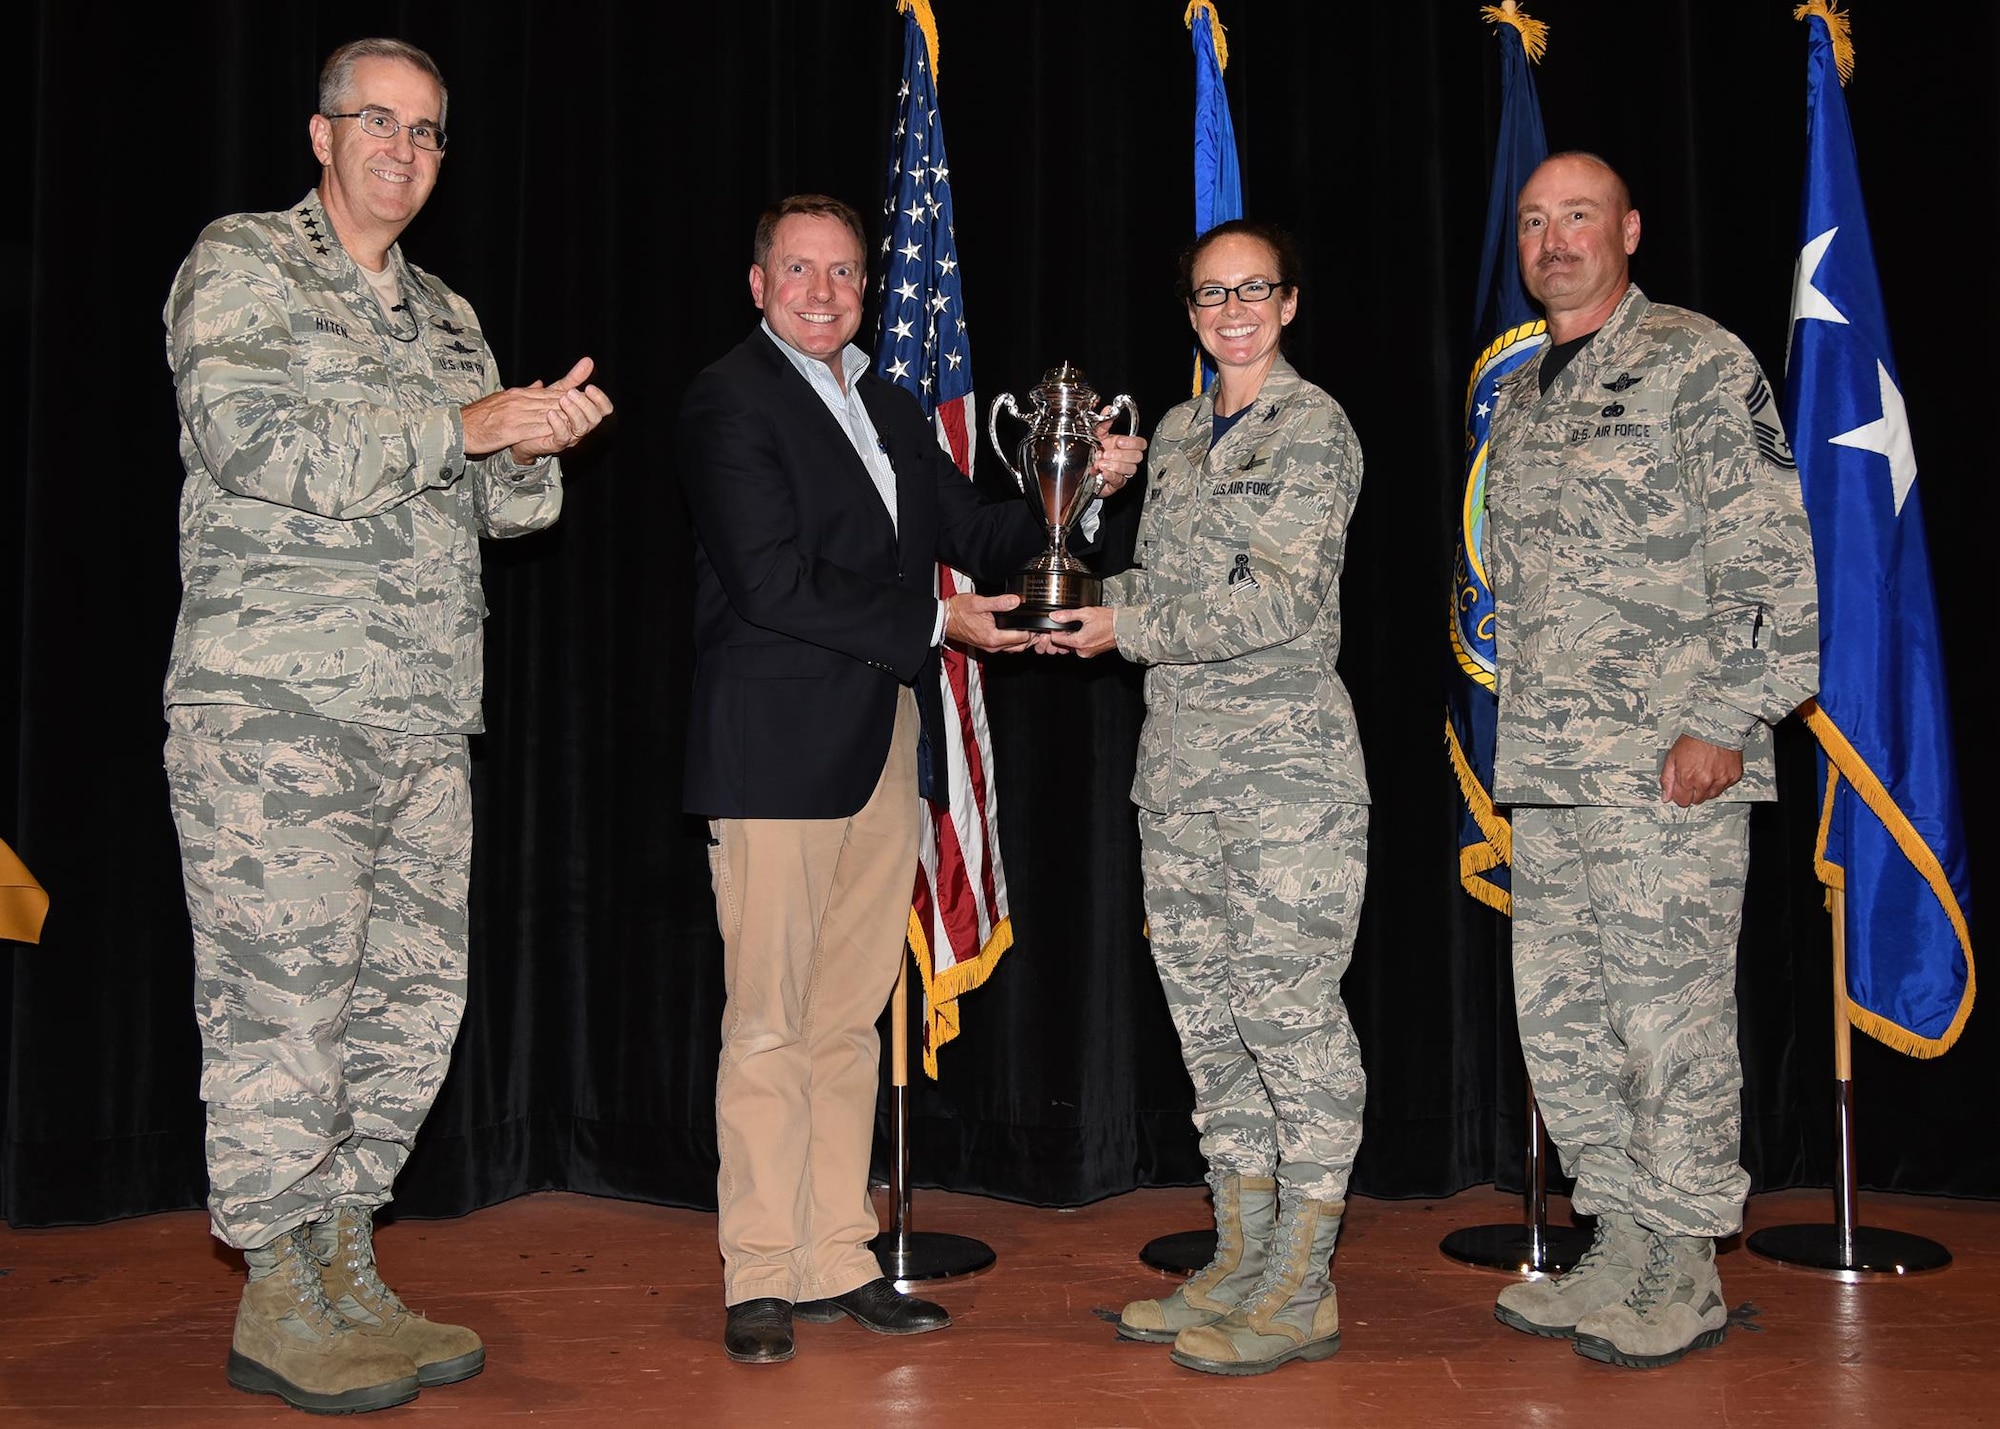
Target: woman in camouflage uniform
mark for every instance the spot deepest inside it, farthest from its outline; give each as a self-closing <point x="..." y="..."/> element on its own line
<point x="1253" y="805"/>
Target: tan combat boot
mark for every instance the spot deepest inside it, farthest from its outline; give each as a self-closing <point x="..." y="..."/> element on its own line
<point x="1603" y="1275"/>
<point x="345" y="1246"/>
<point x="290" y="1342"/>
<point x="1291" y="1313"/>
<point x="1246" y="1212"/>
<point x="1677" y="1306"/>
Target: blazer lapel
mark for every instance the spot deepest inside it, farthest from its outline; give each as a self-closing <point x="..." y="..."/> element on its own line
<point x="807" y="413"/>
<point x="877" y="396"/>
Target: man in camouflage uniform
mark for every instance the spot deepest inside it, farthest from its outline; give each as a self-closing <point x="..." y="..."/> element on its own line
<point x="346" y="444"/>
<point x="1253" y="806"/>
<point x="1657" y="613"/>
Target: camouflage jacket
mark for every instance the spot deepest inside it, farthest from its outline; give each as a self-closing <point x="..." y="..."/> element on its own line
<point x="1650" y="563"/>
<point x="330" y="519"/>
<point x="1235" y="603"/>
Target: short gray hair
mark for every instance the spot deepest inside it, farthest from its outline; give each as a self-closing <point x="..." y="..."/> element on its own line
<point x="336" y="77"/>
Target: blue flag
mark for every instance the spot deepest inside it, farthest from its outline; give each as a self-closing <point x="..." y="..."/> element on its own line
<point x="1506" y="333"/>
<point x="1891" y="833"/>
<point x="1218" y="182"/>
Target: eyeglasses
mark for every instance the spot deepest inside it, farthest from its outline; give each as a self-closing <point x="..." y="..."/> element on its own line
<point x="384" y="125"/>
<point x="1214" y="295"/>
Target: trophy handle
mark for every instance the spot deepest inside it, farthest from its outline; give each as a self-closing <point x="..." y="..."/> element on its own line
<point x="1120" y="403"/>
<point x="1005" y="399"/>
<point x="1123" y="403"/>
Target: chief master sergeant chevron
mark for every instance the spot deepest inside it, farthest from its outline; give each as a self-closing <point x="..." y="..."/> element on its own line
<point x="346" y="446"/>
<point x="1657" y="613"/>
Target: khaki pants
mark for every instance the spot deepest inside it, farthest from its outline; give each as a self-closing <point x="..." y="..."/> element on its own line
<point x="813" y="915"/>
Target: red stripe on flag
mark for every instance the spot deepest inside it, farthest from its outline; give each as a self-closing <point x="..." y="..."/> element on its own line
<point x="968" y="697"/>
<point x="957" y="440"/>
<point x="957" y="911"/>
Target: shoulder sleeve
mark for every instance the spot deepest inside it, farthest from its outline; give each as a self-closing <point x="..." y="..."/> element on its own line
<point x="1762" y="595"/>
<point x="238" y="383"/>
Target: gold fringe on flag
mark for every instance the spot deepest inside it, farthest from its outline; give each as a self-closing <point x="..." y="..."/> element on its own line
<point x="943" y="989"/>
<point x="1475" y="859"/>
<point x="1844" y="761"/>
<point x="1840" y="25"/>
<point x="1214" y="29"/>
<point x="925" y="22"/>
<point x="1534" y="33"/>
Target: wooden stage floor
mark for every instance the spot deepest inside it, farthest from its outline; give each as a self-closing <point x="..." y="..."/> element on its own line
<point x="608" y="1313"/>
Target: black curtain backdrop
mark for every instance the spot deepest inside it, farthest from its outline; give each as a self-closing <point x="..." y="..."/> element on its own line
<point x="607" y="164"/>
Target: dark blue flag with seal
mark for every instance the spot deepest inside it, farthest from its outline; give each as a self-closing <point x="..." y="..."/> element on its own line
<point x="1506" y="333"/>
<point x="1892" y="834"/>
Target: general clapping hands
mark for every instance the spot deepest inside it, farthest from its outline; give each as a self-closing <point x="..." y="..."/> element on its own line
<point x="536" y="421"/>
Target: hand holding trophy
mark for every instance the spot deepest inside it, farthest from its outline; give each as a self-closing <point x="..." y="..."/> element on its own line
<point x="1060" y="448"/>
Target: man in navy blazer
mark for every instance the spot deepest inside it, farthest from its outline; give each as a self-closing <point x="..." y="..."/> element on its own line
<point x="821" y="504"/>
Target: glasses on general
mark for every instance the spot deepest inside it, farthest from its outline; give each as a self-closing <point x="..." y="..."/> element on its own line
<point x="1214" y="295"/>
<point x="384" y="125"/>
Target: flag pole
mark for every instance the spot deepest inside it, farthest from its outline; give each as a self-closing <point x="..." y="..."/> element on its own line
<point x="903" y="1253"/>
<point x="1530" y="1247"/>
<point x="1508" y="335"/>
<point x="1533" y="1247"/>
<point x="1850" y="1252"/>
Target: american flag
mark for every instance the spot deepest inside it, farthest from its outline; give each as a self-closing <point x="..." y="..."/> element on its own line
<point x="959" y="925"/>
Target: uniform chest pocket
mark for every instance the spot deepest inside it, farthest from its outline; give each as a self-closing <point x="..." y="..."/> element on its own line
<point x="335" y="356"/>
<point x="458" y="357"/>
<point x="1620" y="435"/>
<point x="1619" y="485"/>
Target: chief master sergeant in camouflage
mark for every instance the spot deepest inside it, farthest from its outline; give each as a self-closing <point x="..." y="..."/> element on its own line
<point x="1253" y="806"/>
<point x="346" y="445"/>
<point x="1657" y="612"/>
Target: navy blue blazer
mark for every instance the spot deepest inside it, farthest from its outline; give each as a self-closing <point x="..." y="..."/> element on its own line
<point x="811" y="606"/>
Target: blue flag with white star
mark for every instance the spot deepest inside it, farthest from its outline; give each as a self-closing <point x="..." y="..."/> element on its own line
<point x="1891" y="832"/>
<point x="1506" y="333"/>
<point x="1218" y="179"/>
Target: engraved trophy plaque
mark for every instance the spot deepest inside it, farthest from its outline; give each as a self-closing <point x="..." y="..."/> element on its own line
<point x="1053" y="472"/>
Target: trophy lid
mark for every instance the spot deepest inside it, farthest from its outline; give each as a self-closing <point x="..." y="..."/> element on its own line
<point x="1066" y="385"/>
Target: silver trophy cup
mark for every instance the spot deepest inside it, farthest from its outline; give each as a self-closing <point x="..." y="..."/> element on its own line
<point x="1059" y="448"/>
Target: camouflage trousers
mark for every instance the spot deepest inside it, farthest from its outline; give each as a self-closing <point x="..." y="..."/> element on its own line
<point x="1625" y="925"/>
<point x="1253" y="914"/>
<point x="326" y="866"/>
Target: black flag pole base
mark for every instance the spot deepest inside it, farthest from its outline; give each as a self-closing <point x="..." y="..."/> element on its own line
<point x="1871" y="1251"/>
<point x="1182" y="1253"/>
<point x="929" y="1255"/>
<point x="1518" y="1248"/>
